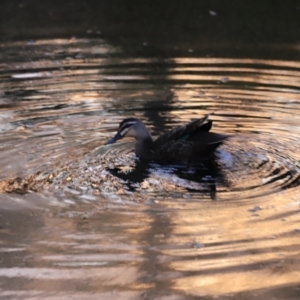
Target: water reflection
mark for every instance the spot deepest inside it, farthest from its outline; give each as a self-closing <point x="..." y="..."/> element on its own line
<point x="202" y="178"/>
<point x="117" y="228"/>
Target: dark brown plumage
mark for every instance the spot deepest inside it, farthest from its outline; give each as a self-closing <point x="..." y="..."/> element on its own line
<point x="187" y="144"/>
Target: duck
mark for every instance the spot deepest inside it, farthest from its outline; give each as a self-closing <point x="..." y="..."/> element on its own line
<point x="189" y="144"/>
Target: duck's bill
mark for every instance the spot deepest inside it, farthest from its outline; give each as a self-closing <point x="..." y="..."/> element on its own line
<point x="114" y="139"/>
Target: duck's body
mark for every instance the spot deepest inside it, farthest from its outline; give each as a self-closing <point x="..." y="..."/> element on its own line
<point x="187" y="144"/>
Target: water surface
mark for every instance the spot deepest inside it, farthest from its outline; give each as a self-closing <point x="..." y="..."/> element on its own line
<point x="82" y="220"/>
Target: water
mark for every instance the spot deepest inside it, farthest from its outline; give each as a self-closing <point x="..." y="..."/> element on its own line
<point x="75" y="223"/>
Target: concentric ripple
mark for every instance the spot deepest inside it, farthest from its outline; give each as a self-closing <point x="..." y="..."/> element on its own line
<point x="138" y="230"/>
<point x="71" y="94"/>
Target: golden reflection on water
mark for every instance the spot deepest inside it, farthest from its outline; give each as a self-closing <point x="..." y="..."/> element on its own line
<point x="242" y="251"/>
<point x="194" y="248"/>
<point x="166" y="244"/>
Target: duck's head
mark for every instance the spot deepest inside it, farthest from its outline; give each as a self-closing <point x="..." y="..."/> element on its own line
<point x="130" y="127"/>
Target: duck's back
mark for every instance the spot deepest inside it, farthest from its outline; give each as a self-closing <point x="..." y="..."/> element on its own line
<point x="188" y="144"/>
<point x="185" y="132"/>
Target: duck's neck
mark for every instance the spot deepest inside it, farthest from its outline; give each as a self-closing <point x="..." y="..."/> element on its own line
<point x="144" y="148"/>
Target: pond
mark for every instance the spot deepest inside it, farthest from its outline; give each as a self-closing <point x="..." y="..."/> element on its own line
<point x="80" y="219"/>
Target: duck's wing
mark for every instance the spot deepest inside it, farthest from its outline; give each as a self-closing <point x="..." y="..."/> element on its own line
<point x="187" y="152"/>
<point x="207" y="138"/>
<point x="184" y="132"/>
<point x="173" y="152"/>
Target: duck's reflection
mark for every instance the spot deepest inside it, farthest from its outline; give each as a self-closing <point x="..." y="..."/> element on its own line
<point x="137" y="175"/>
<point x="207" y="176"/>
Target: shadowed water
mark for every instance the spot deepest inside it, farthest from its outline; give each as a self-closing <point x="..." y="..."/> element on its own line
<point x="88" y="221"/>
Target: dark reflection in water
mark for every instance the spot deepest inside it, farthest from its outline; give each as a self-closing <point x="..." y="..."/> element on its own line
<point x="207" y="175"/>
<point x="139" y="173"/>
<point x="162" y="28"/>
